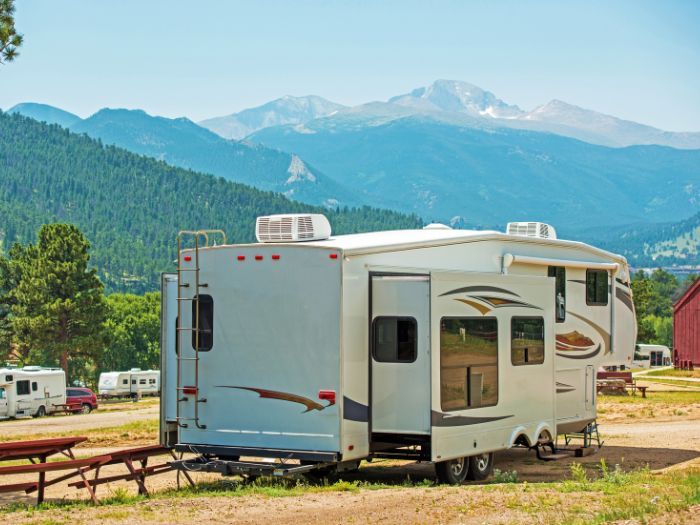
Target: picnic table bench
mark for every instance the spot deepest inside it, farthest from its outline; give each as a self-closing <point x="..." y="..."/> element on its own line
<point x="39" y="450"/>
<point x="619" y="381"/>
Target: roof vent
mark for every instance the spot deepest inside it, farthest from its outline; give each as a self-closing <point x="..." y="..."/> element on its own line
<point x="292" y="228"/>
<point x="539" y="230"/>
<point x="437" y="226"/>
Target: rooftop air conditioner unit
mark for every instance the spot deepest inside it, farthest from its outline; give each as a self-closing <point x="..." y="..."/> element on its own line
<point x="292" y="228"/>
<point x="539" y="230"/>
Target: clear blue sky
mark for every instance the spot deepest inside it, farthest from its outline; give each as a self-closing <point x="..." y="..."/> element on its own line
<point x="638" y="60"/>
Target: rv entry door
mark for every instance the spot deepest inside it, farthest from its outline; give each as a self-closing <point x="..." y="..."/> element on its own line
<point x="399" y="346"/>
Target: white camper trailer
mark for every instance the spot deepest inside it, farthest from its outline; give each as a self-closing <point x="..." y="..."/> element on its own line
<point x="135" y="382"/>
<point x="436" y="345"/>
<point x="31" y="391"/>
<point x="652" y="356"/>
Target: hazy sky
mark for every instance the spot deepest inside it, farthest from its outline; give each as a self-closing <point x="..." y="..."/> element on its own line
<point x="634" y="59"/>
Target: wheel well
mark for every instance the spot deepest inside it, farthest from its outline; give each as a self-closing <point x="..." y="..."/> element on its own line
<point x="522" y="440"/>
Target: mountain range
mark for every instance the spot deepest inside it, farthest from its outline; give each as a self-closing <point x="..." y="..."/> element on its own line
<point x="131" y="206"/>
<point x="450" y="151"/>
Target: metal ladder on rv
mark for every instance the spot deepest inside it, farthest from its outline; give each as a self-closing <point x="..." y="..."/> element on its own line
<point x="193" y="267"/>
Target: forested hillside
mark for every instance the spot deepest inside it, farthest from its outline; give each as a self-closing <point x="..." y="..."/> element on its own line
<point x="131" y="207"/>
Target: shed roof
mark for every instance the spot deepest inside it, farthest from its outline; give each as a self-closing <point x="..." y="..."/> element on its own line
<point x="689" y="293"/>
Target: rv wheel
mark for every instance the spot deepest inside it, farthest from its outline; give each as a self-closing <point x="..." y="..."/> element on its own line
<point x="480" y="467"/>
<point x="41" y="412"/>
<point x="452" y="471"/>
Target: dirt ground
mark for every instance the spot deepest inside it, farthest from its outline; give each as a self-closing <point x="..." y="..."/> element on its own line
<point x="664" y="436"/>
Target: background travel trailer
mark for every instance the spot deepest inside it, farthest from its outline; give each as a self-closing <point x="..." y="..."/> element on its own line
<point x="652" y="356"/>
<point x="455" y="343"/>
<point x="31" y="391"/>
<point x="131" y="383"/>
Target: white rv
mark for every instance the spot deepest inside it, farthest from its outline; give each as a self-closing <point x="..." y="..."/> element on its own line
<point x="31" y="391"/>
<point x="652" y="356"/>
<point x="135" y="382"/>
<point x="436" y="345"/>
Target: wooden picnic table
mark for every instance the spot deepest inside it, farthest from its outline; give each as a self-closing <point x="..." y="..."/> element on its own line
<point x="128" y="457"/>
<point x="37" y="451"/>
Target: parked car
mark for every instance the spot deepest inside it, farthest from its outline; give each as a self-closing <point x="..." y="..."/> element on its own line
<point x="81" y="400"/>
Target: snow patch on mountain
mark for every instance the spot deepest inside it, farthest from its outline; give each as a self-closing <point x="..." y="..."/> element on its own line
<point x="298" y="172"/>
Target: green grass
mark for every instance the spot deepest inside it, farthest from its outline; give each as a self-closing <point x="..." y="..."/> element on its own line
<point x="143" y="430"/>
<point x="672" y="372"/>
<point x="674" y="382"/>
<point x="673" y="398"/>
<point x="593" y="493"/>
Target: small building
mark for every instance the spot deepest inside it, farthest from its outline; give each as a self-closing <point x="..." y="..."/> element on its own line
<point x="686" y="328"/>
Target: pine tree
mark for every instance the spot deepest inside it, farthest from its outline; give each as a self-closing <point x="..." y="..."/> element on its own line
<point x="59" y="310"/>
<point x="9" y="39"/>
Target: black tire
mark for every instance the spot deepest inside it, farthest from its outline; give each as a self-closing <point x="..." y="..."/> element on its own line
<point x="452" y="471"/>
<point x="480" y="467"/>
<point x="86" y="408"/>
<point x="41" y="412"/>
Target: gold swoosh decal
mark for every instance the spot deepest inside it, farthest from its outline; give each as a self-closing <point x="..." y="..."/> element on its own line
<point x="483" y="309"/>
<point x="310" y="404"/>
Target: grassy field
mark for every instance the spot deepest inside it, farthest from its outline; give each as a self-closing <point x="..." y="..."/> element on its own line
<point x="133" y="433"/>
<point x="597" y="494"/>
<point x="672" y="372"/>
<point x="672" y="382"/>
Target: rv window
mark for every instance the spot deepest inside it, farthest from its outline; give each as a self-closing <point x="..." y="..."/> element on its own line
<point x="527" y="341"/>
<point x="2" y="393"/>
<point x="125" y="381"/>
<point x="468" y="363"/>
<point x="133" y="381"/>
<point x="151" y="381"/>
<point x="395" y="339"/>
<point x="8" y="378"/>
<point x="142" y="381"/>
<point x="596" y="287"/>
<point x="206" y="322"/>
<point x="559" y="273"/>
<point x="23" y="387"/>
<point x="35" y="387"/>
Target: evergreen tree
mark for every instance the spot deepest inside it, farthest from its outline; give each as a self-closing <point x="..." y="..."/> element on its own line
<point x="9" y="39"/>
<point x="134" y="327"/>
<point x="59" y="310"/>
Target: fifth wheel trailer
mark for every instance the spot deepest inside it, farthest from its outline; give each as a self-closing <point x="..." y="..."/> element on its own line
<point x="31" y="391"/>
<point x="437" y="345"/>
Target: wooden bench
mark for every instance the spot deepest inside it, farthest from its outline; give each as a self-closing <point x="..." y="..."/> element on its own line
<point x="614" y="379"/>
<point x="37" y="451"/>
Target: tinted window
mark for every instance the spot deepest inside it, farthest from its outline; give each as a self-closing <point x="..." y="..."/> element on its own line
<point x="151" y="381"/>
<point x="559" y="273"/>
<point x="527" y="341"/>
<point x="468" y="363"/>
<point x="35" y="387"/>
<point x="596" y="287"/>
<point x="142" y="381"/>
<point x="125" y="381"/>
<point x="206" y="323"/>
<point x="73" y="393"/>
<point x="23" y="387"/>
<point x="8" y="378"/>
<point x="395" y="339"/>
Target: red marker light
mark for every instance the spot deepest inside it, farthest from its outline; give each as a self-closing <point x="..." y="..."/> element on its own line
<point x="275" y="257"/>
<point x="258" y="257"/>
<point x="191" y="390"/>
<point x="327" y="395"/>
<point x="241" y="257"/>
<point x="188" y="258"/>
<point x="333" y="256"/>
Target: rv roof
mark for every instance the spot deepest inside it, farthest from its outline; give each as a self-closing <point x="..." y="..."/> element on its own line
<point x="361" y="243"/>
